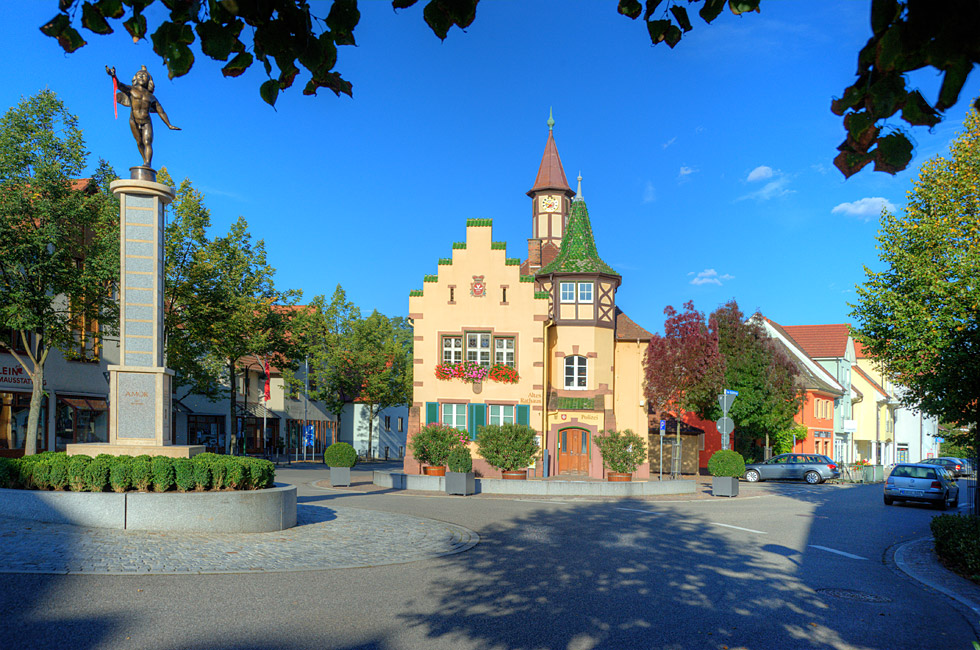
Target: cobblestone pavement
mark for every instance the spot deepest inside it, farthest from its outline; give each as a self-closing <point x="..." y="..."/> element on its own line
<point x="324" y="538"/>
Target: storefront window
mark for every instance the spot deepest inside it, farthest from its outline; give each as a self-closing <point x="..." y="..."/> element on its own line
<point x="207" y="430"/>
<point x="15" y="408"/>
<point x="80" y="419"/>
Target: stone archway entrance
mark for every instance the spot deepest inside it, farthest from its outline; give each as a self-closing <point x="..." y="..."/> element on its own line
<point x="573" y="451"/>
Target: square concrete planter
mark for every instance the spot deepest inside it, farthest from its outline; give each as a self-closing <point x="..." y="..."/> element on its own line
<point x="724" y="486"/>
<point x="340" y="476"/>
<point x="460" y="483"/>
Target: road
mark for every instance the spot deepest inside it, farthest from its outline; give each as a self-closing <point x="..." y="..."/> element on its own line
<point x="781" y="566"/>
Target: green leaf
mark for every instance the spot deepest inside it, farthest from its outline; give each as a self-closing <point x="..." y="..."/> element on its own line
<point x="883" y="13"/>
<point x="93" y="20"/>
<point x="136" y="26"/>
<point x="953" y="80"/>
<point x="853" y="97"/>
<point x="60" y="28"/>
<point x="711" y="9"/>
<point x="890" y="51"/>
<point x="630" y="8"/>
<point x="918" y="112"/>
<point x="861" y="130"/>
<point x="739" y="7"/>
<point x="437" y="19"/>
<point x="219" y="41"/>
<point x="111" y="8"/>
<point x="893" y="153"/>
<point x="680" y="15"/>
<point x="651" y="9"/>
<point x="170" y="41"/>
<point x="287" y="72"/>
<point x="658" y="30"/>
<point x="269" y="91"/>
<point x="342" y="20"/>
<point x="850" y="163"/>
<point x="237" y="65"/>
<point x="673" y="36"/>
<point x="402" y="4"/>
<point x="887" y="94"/>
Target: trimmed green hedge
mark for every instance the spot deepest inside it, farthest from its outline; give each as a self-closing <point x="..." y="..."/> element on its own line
<point x="957" y="539"/>
<point x="58" y="471"/>
<point x="726" y="462"/>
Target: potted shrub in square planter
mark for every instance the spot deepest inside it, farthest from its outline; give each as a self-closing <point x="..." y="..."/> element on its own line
<point x="508" y="447"/>
<point x="340" y="456"/>
<point x="622" y="452"/>
<point x="725" y="466"/>
<point x="432" y="444"/>
<point x="460" y="478"/>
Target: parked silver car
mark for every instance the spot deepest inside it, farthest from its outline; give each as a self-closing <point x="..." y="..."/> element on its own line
<point x="922" y="483"/>
<point x="812" y="468"/>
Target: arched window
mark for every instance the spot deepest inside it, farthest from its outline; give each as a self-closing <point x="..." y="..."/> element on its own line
<point x="576" y="373"/>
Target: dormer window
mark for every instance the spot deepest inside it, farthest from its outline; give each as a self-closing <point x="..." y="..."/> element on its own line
<point x="585" y="292"/>
<point x="580" y="292"/>
<point x="568" y="292"/>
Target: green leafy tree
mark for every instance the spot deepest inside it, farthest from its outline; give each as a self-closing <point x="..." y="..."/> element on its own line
<point x="59" y="250"/>
<point x="239" y="312"/>
<point x="919" y="317"/>
<point x="288" y="37"/>
<point x="185" y="246"/>
<point x="763" y="374"/>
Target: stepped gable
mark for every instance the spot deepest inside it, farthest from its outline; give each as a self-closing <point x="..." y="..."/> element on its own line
<point x="578" y="252"/>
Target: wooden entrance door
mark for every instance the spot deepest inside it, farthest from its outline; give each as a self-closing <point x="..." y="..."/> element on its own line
<point x="573" y="451"/>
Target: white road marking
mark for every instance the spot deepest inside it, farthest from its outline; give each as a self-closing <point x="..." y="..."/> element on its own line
<point x="832" y="550"/>
<point x="748" y="530"/>
<point x="649" y="512"/>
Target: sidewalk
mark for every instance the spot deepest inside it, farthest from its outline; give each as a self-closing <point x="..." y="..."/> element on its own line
<point x="918" y="560"/>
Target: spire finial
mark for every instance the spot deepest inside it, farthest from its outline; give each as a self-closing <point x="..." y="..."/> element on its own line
<point x="551" y="119"/>
<point x="578" y="195"/>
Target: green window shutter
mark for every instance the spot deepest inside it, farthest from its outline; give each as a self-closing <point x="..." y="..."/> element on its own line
<point x="479" y="419"/>
<point x="523" y="414"/>
<point x="431" y="412"/>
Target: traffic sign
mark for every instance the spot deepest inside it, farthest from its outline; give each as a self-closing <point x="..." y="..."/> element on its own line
<point x="725" y="401"/>
<point x="725" y="425"/>
<point x="308" y="436"/>
<point x="729" y="391"/>
<point x="663" y="427"/>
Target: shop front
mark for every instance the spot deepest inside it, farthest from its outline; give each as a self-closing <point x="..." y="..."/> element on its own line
<point x="15" y="408"/>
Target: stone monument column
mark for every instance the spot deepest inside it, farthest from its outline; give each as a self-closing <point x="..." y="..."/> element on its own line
<point x="140" y="386"/>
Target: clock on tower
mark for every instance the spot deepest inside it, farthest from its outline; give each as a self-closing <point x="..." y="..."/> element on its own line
<point x="549" y="203"/>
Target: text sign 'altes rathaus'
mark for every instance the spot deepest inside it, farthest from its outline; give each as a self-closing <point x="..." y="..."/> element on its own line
<point x="551" y="317"/>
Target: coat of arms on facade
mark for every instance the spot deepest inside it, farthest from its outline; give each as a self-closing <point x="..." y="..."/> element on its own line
<point x="478" y="288"/>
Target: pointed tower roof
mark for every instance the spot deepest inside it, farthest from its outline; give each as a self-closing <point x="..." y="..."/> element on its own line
<point x="578" y="252"/>
<point x="551" y="175"/>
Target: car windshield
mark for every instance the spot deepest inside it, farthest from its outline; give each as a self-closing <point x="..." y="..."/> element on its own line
<point x="913" y="471"/>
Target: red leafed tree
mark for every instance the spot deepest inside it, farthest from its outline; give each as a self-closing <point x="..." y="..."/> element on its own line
<point x="684" y="369"/>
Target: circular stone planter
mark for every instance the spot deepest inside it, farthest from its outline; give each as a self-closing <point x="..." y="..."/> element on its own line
<point x="515" y="475"/>
<point x="619" y="477"/>
<point x="434" y="470"/>
<point x="245" y="511"/>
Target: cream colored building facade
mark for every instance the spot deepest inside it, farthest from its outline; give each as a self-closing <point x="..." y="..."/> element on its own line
<point x="552" y="318"/>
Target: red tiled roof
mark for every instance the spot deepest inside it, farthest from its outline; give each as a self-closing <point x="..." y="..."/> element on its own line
<point x="627" y="330"/>
<point x="820" y="341"/>
<point x="859" y="350"/>
<point x="551" y="175"/>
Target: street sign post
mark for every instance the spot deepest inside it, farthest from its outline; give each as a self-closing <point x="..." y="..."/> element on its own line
<point x="663" y="430"/>
<point x="726" y="425"/>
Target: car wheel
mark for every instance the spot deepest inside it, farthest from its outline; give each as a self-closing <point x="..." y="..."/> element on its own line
<point x="955" y="502"/>
<point x="752" y="476"/>
<point x="812" y="478"/>
<point x="889" y="501"/>
<point x="943" y="505"/>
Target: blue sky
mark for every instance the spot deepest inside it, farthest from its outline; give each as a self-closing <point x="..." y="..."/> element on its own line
<point x="707" y="169"/>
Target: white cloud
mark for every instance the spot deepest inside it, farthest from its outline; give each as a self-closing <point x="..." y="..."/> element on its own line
<point x="760" y="173"/>
<point x="772" y="189"/>
<point x="685" y="171"/>
<point x="670" y="142"/>
<point x="709" y="276"/>
<point x="649" y="192"/>
<point x="864" y="209"/>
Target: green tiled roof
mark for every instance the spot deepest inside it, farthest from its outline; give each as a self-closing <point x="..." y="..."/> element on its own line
<point x="484" y="223"/>
<point x="576" y="404"/>
<point x="430" y="278"/>
<point x="415" y="292"/>
<point x="578" y="253"/>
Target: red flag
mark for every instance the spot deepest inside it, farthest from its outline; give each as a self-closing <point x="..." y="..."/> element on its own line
<point x="115" y="89"/>
<point x="267" y="392"/>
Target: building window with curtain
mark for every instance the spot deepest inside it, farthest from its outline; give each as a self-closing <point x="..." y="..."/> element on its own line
<point x="454" y="415"/>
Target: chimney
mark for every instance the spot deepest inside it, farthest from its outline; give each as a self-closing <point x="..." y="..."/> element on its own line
<point x="533" y="254"/>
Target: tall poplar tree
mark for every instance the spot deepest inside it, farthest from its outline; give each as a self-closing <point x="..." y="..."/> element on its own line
<point x="59" y="250"/>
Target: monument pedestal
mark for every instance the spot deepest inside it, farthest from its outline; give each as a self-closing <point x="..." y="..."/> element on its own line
<point x="140" y="387"/>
